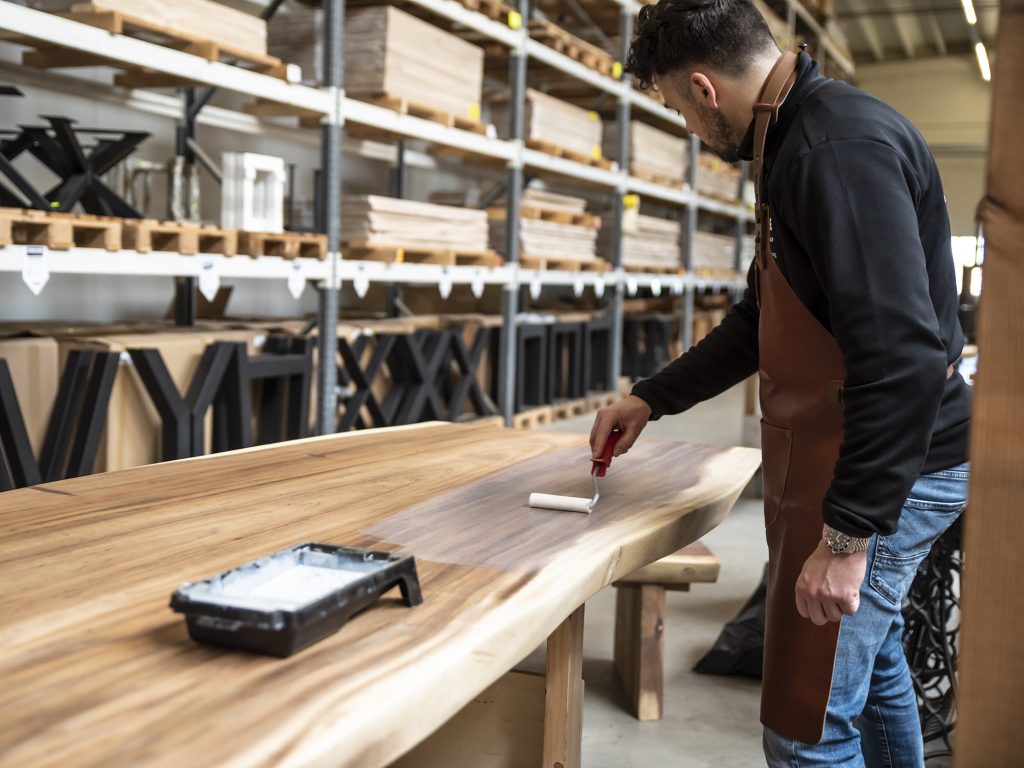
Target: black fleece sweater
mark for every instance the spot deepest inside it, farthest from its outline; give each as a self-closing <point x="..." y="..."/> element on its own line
<point x="861" y="232"/>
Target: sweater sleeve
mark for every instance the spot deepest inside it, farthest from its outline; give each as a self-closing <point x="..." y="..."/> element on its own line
<point x="853" y="207"/>
<point x="725" y="357"/>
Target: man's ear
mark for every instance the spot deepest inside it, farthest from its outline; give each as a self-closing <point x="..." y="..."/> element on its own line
<point x="703" y="91"/>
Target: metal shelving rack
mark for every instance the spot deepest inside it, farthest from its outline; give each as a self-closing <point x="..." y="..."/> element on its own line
<point x="336" y="110"/>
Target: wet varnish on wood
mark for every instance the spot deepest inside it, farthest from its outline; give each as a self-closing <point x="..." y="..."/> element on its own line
<point x="96" y="670"/>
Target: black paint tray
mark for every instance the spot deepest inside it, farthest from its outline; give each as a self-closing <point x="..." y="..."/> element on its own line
<point x="281" y="603"/>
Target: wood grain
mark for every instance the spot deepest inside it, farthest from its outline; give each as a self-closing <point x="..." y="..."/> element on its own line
<point x="96" y="670"/>
<point x="563" y="694"/>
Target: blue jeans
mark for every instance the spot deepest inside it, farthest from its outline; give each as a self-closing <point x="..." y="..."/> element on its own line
<point x="872" y="716"/>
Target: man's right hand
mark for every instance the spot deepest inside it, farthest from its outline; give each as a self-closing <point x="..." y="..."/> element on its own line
<point x="630" y="415"/>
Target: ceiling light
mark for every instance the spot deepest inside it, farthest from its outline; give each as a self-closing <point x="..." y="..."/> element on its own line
<point x="972" y="17"/>
<point x="986" y="70"/>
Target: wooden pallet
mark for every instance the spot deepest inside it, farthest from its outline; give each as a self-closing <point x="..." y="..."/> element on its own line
<point x="548" y="214"/>
<point x="287" y="245"/>
<point x="50" y="57"/>
<point x="397" y="254"/>
<point x="601" y="400"/>
<point x="59" y="231"/>
<point x="568" y="154"/>
<point x="653" y="269"/>
<point x="657" y="178"/>
<point x="567" y="409"/>
<point x="566" y="264"/>
<point x="145" y="235"/>
<point x="574" y="47"/>
<point x="534" y="417"/>
<point x="405" y="106"/>
<point x="715" y="273"/>
<point x="218" y="240"/>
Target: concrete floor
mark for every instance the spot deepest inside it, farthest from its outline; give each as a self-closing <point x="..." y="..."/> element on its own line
<point x="709" y="721"/>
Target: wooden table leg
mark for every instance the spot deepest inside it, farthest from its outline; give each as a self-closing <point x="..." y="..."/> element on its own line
<point x="563" y="699"/>
<point x="640" y="646"/>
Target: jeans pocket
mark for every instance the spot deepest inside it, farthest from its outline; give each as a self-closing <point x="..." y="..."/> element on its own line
<point x="891" y="577"/>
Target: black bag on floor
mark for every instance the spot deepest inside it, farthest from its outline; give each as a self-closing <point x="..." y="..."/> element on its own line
<point x="739" y="649"/>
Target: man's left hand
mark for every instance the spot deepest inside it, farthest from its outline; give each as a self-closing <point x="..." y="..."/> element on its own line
<point x="829" y="585"/>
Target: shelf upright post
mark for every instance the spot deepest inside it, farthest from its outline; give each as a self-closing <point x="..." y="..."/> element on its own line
<point x="330" y="193"/>
<point x="741" y="223"/>
<point x="184" y="287"/>
<point x="510" y="291"/>
<point x="690" y="292"/>
<point x="622" y="117"/>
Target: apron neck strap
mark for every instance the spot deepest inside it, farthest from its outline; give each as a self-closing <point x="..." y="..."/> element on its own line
<point x="766" y="111"/>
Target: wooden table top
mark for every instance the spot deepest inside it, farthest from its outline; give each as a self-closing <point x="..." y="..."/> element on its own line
<point x="95" y="669"/>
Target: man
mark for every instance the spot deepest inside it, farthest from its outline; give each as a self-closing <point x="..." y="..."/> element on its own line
<point x="850" y="318"/>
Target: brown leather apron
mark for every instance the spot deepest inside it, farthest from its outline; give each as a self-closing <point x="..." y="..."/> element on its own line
<point x="801" y="378"/>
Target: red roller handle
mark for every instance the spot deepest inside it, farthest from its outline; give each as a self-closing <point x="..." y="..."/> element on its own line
<point x="600" y="465"/>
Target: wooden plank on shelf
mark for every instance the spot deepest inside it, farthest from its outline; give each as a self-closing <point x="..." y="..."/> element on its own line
<point x="406" y="106"/>
<point x="286" y="245"/>
<point x="228" y="28"/>
<point x="548" y="214"/>
<point x="59" y="231"/>
<point x="652" y="269"/>
<point x="145" y="235"/>
<point x="574" y="47"/>
<point x="533" y="417"/>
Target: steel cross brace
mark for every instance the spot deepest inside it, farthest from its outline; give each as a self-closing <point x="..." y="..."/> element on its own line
<point x="465" y="363"/>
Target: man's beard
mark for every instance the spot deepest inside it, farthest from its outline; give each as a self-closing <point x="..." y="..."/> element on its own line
<point x="722" y="139"/>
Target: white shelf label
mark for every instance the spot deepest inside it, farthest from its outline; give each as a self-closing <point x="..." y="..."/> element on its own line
<point x="535" y="286"/>
<point x="631" y="286"/>
<point x="599" y="287"/>
<point x="361" y="283"/>
<point x="35" y="268"/>
<point x="677" y="287"/>
<point x="209" y="279"/>
<point x="476" y="285"/>
<point x="296" y="280"/>
<point x="577" y="287"/>
<point x="444" y="284"/>
<point x="656" y="287"/>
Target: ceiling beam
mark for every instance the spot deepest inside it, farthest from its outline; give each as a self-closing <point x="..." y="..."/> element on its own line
<point x="937" y="36"/>
<point x="868" y="29"/>
<point x="902" y="27"/>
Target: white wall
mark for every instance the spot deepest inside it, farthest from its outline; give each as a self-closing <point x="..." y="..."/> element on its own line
<point x="950" y="104"/>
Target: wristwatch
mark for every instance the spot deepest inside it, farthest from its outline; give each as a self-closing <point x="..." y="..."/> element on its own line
<point x="840" y="543"/>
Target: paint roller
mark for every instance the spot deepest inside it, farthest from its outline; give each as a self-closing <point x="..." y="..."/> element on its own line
<point x="599" y="467"/>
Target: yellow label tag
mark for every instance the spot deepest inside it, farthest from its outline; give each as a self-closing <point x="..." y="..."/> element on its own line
<point x="474" y="111"/>
<point x="631" y="201"/>
<point x="596" y="153"/>
<point x="515" y="20"/>
<point x="617" y="70"/>
<point x="400" y="255"/>
<point x="594" y="117"/>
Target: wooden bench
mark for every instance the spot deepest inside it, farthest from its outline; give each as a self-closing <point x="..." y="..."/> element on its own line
<point x="640" y="622"/>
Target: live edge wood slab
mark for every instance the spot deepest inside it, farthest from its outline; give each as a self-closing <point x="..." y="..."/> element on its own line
<point x="96" y="670"/>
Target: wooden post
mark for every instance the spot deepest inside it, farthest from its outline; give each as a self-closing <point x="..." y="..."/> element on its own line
<point x="991" y="695"/>
<point x="563" y="699"/>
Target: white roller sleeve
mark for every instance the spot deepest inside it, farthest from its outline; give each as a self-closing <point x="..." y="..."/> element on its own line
<point x="563" y="503"/>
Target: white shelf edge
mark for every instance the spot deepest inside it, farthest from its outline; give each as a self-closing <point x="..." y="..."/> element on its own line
<point x="422" y="274"/>
<point x="536" y="159"/>
<point x="582" y="72"/>
<point x="454" y="11"/>
<point x="371" y="115"/>
<point x="681" y="196"/>
<point x="50" y="28"/>
<point x="649" y="105"/>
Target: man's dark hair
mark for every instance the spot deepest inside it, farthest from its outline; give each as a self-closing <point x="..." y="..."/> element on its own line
<point x="678" y="35"/>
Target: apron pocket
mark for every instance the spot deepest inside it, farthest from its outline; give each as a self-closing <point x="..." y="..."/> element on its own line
<point x="776" y="444"/>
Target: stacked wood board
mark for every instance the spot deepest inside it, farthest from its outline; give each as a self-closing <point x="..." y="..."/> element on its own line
<point x="387" y="221"/>
<point x="717" y="178"/>
<point x="654" y="155"/>
<point x="554" y="126"/>
<point x="198" y="19"/>
<point x="713" y="254"/>
<point x="648" y="242"/>
<point x="392" y="54"/>
<point x="554" y="231"/>
<point x="776" y="24"/>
